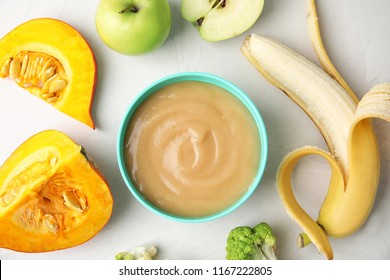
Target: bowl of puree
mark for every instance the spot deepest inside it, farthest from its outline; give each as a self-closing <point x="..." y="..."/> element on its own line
<point x="192" y="147"/>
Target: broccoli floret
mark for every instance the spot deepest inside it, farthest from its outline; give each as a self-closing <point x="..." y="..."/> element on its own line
<point x="146" y="252"/>
<point x="246" y="243"/>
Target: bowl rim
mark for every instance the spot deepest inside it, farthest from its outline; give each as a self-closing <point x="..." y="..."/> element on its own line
<point x="202" y="77"/>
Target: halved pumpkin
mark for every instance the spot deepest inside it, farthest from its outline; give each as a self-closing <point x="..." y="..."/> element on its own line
<point x="51" y="196"/>
<point x="52" y="61"/>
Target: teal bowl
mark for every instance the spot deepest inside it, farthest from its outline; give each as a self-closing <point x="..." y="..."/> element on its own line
<point x="201" y="77"/>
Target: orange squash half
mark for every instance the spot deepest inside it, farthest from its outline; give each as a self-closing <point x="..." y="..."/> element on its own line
<point x="51" y="196"/>
<point x="52" y="61"/>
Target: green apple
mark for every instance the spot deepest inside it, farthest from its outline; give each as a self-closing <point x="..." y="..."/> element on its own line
<point x="133" y="27"/>
<point x="219" y="20"/>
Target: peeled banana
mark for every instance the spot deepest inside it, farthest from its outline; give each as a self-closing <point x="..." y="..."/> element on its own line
<point x="345" y="124"/>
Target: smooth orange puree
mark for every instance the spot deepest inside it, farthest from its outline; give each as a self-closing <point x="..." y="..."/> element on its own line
<point x="192" y="149"/>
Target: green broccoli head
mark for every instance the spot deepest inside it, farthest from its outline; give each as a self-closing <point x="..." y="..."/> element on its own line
<point x="246" y="243"/>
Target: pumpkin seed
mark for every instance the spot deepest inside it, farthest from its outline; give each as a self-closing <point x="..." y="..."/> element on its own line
<point x="83" y="202"/>
<point x="14" y="71"/>
<point x="38" y="71"/>
<point x="46" y="85"/>
<point x="47" y="95"/>
<point x="5" y="69"/>
<point x="50" y="223"/>
<point x="47" y="74"/>
<point x="57" y="86"/>
<point x="47" y="65"/>
<point x="52" y="99"/>
<point x="26" y="71"/>
<point x="71" y="201"/>
<point x="24" y="65"/>
<point x="33" y="68"/>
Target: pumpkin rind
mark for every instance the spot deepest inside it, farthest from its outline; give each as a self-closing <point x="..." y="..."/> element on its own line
<point x="57" y="39"/>
<point x="51" y="196"/>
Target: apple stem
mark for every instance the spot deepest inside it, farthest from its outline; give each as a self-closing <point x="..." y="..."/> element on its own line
<point x="129" y="9"/>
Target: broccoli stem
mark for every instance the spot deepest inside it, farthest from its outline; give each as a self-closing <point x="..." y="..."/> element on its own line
<point x="268" y="252"/>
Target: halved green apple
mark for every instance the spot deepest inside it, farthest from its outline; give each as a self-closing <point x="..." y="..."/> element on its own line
<point x="219" y="20"/>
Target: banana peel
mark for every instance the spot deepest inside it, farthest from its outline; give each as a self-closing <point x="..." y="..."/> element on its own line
<point x="345" y="123"/>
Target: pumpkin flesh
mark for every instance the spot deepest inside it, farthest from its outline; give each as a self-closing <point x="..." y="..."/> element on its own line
<point x="52" y="61"/>
<point x="51" y="196"/>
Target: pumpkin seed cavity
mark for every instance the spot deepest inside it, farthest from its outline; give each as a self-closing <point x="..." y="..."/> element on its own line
<point x="55" y="206"/>
<point x="37" y="72"/>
